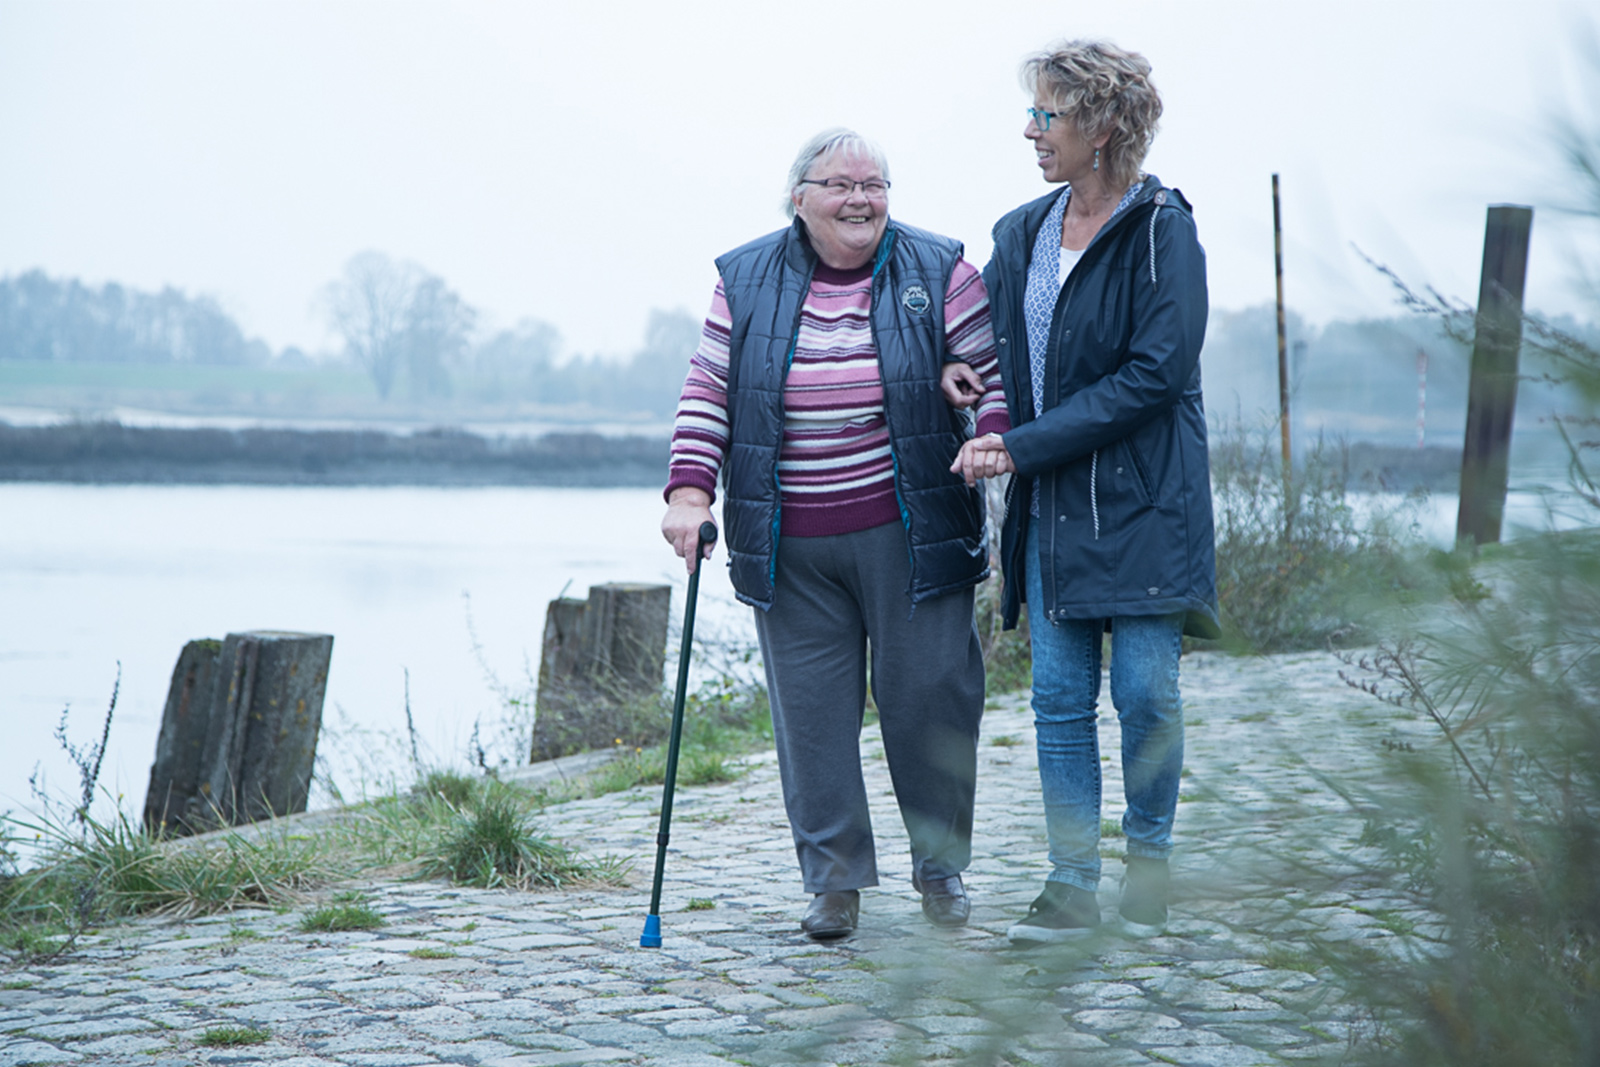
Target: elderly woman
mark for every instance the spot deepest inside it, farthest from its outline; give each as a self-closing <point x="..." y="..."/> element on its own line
<point x="1098" y="294"/>
<point x="815" y="392"/>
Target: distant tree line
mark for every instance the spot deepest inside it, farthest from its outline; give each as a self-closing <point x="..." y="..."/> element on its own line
<point x="405" y="327"/>
<point x="409" y="330"/>
<point x="416" y="338"/>
<point x="42" y="318"/>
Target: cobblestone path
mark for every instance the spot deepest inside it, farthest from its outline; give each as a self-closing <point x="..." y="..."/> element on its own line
<point x="530" y="979"/>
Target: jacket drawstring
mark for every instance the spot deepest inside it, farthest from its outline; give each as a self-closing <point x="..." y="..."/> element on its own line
<point x="1094" y="491"/>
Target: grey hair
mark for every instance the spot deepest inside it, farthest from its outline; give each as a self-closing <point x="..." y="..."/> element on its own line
<point x="837" y="139"/>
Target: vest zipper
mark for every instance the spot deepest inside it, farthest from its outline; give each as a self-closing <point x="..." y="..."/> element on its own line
<point x="777" y="458"/>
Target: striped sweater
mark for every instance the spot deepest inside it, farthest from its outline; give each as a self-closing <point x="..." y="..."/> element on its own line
<point x="835" y="470"/>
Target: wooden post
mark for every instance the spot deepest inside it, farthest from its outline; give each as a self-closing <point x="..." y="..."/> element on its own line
<point x="1492" y="390"/>
<point x="239" y="734"/>
<point x="180" y="748"/>
<point x="600" y="670"/>
<point x="1283" y="338"/>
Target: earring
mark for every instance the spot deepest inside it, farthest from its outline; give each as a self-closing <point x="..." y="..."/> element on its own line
<point x="1097" y="159"/>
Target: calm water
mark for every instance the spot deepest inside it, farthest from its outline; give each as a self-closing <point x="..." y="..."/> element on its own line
<point x="93" y="575"/>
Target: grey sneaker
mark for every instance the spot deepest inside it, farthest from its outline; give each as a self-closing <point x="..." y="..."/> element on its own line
<point x="1061" y="913"/>
<point x="1143" y="907"/>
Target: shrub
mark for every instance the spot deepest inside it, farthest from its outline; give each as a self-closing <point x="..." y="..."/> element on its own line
<point x="1295" y="563"/>
<point x="1496" y="828"/>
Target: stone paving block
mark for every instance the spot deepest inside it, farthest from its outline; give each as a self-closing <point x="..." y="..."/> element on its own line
<point x="85" y="1029"/>
<point x="561" y="1059"/>
<point x="15" y="1053"/>
<point x="1214" y="1056"/>
<point x="1125" y="1021"/>
<point x="613" y="1033"/>
<point x="628" y="1005"/>
<point x="745" y="1002"/>
<point x="1277" y="1038"/>
<point x="123" y="1045"/>
<point x="524" y="942"/>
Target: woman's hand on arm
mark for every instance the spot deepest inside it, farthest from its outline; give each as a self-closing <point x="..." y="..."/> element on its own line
<point x="961" y="385"/>
<point x="687" y="508"/>
<point x="983" y="457"/>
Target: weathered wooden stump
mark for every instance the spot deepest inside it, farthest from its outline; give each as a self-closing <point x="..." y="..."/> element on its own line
<point x="239" y="733"/>
<point x="600" y="670"/>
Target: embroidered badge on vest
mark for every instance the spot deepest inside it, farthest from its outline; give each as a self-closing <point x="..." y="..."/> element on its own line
<point x="915" y="299"/>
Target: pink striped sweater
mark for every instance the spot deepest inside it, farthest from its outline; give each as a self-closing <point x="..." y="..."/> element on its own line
<point x="835" y="470"/>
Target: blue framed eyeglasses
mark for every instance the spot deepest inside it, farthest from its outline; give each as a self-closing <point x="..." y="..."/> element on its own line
<point x="1041" y="118"/>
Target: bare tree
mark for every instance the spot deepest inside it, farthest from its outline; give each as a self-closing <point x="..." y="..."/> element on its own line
<point x="437" y="326"/>
<point x="369" y="307"/>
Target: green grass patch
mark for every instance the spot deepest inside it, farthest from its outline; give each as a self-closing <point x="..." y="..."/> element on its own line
<point x="700" y="904"/>
<point x="496" y="846"/>
<point x="233" y="1036"/>
<point x="347" y="912"/>
<point x="428" y="952"/>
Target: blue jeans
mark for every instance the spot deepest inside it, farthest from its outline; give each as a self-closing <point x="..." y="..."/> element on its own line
<point x="1066" y="693"/>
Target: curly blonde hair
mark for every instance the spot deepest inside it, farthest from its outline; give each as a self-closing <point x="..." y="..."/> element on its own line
<point x="1105" y="90"/>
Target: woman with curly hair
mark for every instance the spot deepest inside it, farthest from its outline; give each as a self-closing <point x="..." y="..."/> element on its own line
<point x="1098" y="297"/>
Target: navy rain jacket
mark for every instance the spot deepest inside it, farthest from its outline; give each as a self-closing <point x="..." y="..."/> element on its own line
<point x="1120" y="450"/>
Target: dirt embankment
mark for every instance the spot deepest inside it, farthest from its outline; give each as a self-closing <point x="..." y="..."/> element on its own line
<point x="109" y="452"/>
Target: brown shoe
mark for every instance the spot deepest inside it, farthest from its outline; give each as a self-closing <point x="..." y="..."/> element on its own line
<point x="832" y="915"/>
<point x="944" y="900"/>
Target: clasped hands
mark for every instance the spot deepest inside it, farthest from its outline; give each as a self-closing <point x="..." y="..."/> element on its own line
<point x="983" y="457"/>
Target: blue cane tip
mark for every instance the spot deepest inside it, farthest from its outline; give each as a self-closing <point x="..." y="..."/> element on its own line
<point x="651" y="938"/>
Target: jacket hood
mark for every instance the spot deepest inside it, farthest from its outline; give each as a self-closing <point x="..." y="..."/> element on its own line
<point x="1016" y="229"/>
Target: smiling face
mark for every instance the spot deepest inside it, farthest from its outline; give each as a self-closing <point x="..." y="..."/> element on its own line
<point x="1065" y="154"/>
<point x="844" y="230"/>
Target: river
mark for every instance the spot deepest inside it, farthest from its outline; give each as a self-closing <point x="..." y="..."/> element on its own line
<point x="91" y="576"/>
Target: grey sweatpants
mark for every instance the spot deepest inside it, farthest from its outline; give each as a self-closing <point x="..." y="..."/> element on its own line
<point x="835" y="598"/>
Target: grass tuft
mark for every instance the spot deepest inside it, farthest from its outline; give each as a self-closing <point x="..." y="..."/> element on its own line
<point x="497" y="847"/>
<point x="233" y="1036"/>
<point x="347" y="912"/>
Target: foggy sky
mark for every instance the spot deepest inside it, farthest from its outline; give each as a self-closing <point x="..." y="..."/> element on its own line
<point x="582" y="164"/>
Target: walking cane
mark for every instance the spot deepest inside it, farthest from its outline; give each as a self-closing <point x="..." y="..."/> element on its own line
<point x="651" y="938"/>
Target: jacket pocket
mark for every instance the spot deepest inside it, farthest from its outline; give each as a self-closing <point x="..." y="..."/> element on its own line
<point x="1141" y="473"/>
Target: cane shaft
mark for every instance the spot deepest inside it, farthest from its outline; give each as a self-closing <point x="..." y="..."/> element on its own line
<point x="676" y="737"/>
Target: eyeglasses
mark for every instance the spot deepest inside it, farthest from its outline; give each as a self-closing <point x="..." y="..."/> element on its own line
<point x="875" y="188"/>
<point x="1042" y="118"/>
